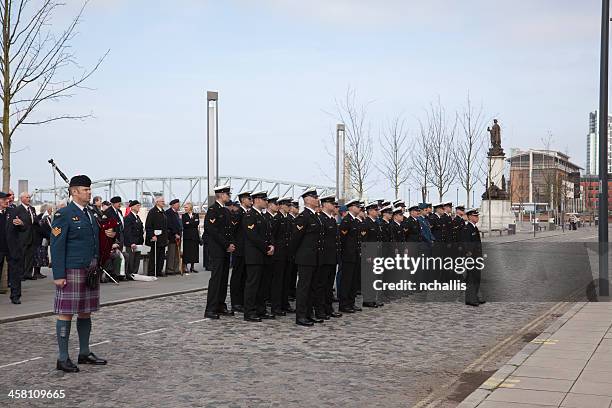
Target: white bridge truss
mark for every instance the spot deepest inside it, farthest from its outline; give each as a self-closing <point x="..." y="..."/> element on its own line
<point x="189" y="188"/>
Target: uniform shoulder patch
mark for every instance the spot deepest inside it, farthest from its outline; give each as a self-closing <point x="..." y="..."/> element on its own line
<point x="56" y="231"/>
<point x="299" y="227"/>
<point x="344" y="232"/>
<point x="364" y="232"/>
<point x="251" y="226"/>
<point x="212" y="220"/>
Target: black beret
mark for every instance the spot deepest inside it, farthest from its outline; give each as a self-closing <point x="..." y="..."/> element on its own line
<point x="460" y="208"/>
<point x="3" y="195"/>
<point x="80" y="181"/>
<point x="115" y="200"/>
<point x="175" y="201"/>
<point x="133" y="203"/>
<point x="106" y="203"/>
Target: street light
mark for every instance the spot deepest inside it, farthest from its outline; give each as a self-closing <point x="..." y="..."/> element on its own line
<point x="340" y="168"/>
<point x="212" y="142"/>
<point x="604" y="284"/>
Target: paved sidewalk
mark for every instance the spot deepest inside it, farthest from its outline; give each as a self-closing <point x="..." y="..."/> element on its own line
<point x="568" y="365"/>
<point x="37" y="296"/>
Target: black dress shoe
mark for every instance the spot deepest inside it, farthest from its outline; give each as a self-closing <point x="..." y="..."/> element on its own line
<point x="288" y="309"/>
<point x="347" y="310"/>
<point x="29" y="278"/>
<point x="324" y="317"/>
<point x="16" y="301"/>
<point x="91" y="358"/>
<point x="226" y="312"/>
<point x="379" y="304"/>
<point x="40" y="276"/>
<point x="193" y="270"/>
<point x="279" y="312"/>
<point x="211" y="315"/>
<point x="482" y="302"/>
<point x="369" y="304"/>
<point x="315" y="319"/>
<point x="336" y="314"/>
<point x="251" y="318"/>
<point x="238" y="308"/>
<point x="67" y="366"/>
<point x="357" y="308"/>
<point x="303" y="322"/>
<point x="266" y="316"/>
<point x="472" y="304"/>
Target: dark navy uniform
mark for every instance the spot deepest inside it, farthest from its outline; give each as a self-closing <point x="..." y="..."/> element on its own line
<point x="306" y="242"/>
<point x="258" y="239"/>
<point x="329" y="259"/>
<point x="218" y="225"/>
<point x="470" y="239"/>
<point x="350" y="257"/>
<point x="280" y="237"/>
<point x="238" y="277"/>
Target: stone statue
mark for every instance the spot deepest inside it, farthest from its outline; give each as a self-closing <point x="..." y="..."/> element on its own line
<point x="495" y="131"/>
<point x="495" y="193"/>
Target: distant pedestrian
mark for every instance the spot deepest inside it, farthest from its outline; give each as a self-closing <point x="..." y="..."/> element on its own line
<point x="191" y="238"/>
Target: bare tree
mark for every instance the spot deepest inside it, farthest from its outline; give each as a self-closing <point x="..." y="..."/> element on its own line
<point x="396" y="149"/>
<point x="442" y="146"/>
<point x="421" y="160"/>
<point x="35" y="67"/>
<point x="469" y="156"/>
<point x="358" y="140"/>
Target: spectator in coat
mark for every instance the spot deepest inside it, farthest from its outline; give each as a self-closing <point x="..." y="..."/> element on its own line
<point x="191" y="237"/>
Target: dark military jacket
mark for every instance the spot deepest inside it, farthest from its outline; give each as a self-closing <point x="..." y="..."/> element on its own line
<point x="74" y="240"/>
<point x="439" y="227"/>
<point x="457" y="224"/>
<point x="413" y="230"/>
<point x="239" y="235"/>
<point x="397" y="232"/>
<point x="350" y="238"/>
<point x="470" y="239"/>
<point x="386" y="234"/>
<point x="258" y="237"/>
<point x="307" y="238"/>
<point x="280" y="236"/>
<point x="218" y="225"/>
<point x="329" y="255"/>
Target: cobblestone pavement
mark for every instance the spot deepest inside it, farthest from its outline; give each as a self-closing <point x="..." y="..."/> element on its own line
<point x="162" y="353"/>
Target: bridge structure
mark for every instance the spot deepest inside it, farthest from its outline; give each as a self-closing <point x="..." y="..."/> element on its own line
<point x="185" y="188"/>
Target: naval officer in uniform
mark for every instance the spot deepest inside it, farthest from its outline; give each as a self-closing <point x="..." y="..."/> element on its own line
<point x="74" y="250"/>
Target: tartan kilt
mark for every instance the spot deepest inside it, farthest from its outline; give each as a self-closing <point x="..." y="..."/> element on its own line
<point x="76" y="297"/>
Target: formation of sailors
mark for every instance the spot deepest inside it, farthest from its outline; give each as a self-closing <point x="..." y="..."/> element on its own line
<point x="279" y="253"/>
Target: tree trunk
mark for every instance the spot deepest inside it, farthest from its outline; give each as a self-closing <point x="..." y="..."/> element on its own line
<point x="6" y="116"/>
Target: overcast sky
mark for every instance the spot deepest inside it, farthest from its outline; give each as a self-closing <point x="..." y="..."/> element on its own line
<point x="280" y="64"/>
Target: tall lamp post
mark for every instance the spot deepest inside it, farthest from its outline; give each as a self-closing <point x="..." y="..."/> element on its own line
<point x="604" y="284"/>
<point x="212" y="143"/>
<point x="340" y="164"/>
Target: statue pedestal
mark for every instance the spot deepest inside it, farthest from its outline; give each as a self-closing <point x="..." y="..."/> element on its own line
<point x="501" y="214"/>
<point x="495" y="171"/>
